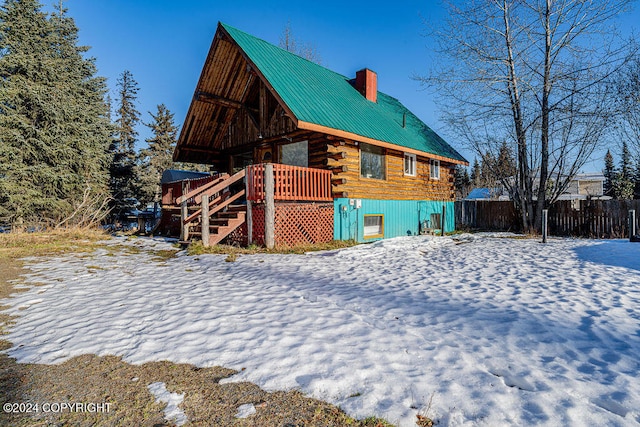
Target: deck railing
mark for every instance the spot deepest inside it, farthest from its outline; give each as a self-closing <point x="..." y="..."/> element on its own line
<point x="293" y="183"/>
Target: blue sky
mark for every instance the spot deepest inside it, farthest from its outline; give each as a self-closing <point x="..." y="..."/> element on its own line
<point x="164" y="44"/>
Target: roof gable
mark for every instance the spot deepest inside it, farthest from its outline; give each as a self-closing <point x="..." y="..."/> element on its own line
<point x="316" y="95"/>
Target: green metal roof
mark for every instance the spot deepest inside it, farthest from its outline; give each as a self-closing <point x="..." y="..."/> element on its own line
<point x="320" y="96"/>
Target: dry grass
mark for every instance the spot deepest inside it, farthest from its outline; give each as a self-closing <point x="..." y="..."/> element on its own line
<point x="108" y="379"/>
<point x="93" y="379"/>
<point x="196" y="248"/>
<point x="19" y="244"/>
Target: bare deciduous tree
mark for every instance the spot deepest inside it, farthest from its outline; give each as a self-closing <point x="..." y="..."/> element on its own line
<point x="289" y="43"/>
<point x="534" y="73"/>
<point x="628" y="101"/>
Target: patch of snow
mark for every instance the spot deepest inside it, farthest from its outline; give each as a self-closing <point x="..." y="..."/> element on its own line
<point x="500" y="331"/>
<point x="246" y="410"/>
<point x="172" y="412"/>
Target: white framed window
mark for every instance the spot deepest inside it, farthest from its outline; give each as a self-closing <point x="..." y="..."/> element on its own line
<point x="435" y="169"/>
<point x="372" y="162"/>
<point x="409" y="164"/>
<point x="373" y="226"/>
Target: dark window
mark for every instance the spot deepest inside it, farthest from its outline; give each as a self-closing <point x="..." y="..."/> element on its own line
<point x="372" y="162"/>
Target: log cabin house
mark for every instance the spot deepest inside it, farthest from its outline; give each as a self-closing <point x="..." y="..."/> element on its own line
<point x="346" y="161"/>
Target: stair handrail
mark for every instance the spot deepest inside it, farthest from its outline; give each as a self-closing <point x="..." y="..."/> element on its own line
<point x="208" y="190"/>
<point x="214" y="207"/>
<point x="198" y="190"/>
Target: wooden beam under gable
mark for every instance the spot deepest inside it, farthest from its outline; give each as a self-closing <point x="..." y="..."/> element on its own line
<point x="217" y="100"/>
<point x="237" y="75"/>
<point x="263" y="79"/>
<point x="262" y="108"/>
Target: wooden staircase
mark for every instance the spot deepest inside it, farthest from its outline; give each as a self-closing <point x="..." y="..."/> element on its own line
<point x="211" y="205"/>
<point x="221" y="224"/>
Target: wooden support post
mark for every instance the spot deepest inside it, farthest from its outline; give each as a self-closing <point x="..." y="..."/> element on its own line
<point x="184" y="213"/>
<point x="262" y="109"/>
<point x="248" y="183"/>
<point x="545" y="228"/>
<point x="204" y="222"/>
<point x="442" y="219"/>
<point x="632" y="224"/>
<point x="249" y="223"/>
<point x="184" y="230"/>
<point x="269" y="207"/>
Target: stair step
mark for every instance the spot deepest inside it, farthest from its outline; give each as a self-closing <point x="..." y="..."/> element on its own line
<point x="227" y="214"/>
<point x="219" y="221"/>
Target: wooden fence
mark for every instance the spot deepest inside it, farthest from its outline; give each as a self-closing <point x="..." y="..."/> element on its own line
<point x="486" y="215"/>
<point x="603" y="219"/>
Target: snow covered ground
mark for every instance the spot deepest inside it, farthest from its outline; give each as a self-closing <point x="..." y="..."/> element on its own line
<point x="493" y="331"/>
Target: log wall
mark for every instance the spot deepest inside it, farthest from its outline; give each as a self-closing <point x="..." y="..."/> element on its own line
<point x="396" y="186"/>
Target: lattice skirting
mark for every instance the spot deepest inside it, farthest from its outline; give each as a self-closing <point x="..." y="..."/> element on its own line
<point x="296" y="223"/>
<point x="238" y="237"/>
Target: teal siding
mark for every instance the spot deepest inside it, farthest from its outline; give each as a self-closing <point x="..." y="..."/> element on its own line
<point x="401" y="217"/>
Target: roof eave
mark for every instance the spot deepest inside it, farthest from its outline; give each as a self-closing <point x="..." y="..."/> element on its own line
<point x="355" y="137"/>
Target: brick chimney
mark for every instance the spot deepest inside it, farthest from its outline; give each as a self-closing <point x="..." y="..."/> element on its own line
<point x="367" y="84"/>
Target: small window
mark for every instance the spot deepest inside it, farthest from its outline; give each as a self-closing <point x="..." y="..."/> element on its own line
<point x="295" y="154"/>
<point x="372" y="162"/>
<point x="373" y="226"/>
<point x="435" y="169"/>
<point x="409" y="164"/>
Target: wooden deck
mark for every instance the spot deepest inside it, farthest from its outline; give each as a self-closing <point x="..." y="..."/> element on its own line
<point x="205" y="204"/>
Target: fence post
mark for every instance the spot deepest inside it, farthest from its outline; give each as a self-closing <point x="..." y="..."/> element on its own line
<point x="545" y="216"/>
<point x="632" y="224"/>
<point x="204" y="222"/>
<point x="269" y="207"/>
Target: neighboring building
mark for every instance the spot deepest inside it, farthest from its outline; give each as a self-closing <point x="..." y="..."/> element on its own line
<point x="353" y="158"/>
<point x="585" y="186"/>
<point x="582" y="187"/>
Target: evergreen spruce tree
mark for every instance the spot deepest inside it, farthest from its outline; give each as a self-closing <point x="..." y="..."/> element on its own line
<point x="461" y="181"/>
<point x="623" y="188"/>
<point x="506" y="163"/>
<point x="157" y="158"/>
<point x="609" y="173"/>
<point x="54" y="125"/>
<point x="476" y="172"/>
<point x="122" y="149"/>
<point x="487" y="167"/>
<point x="623" y="183"/>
